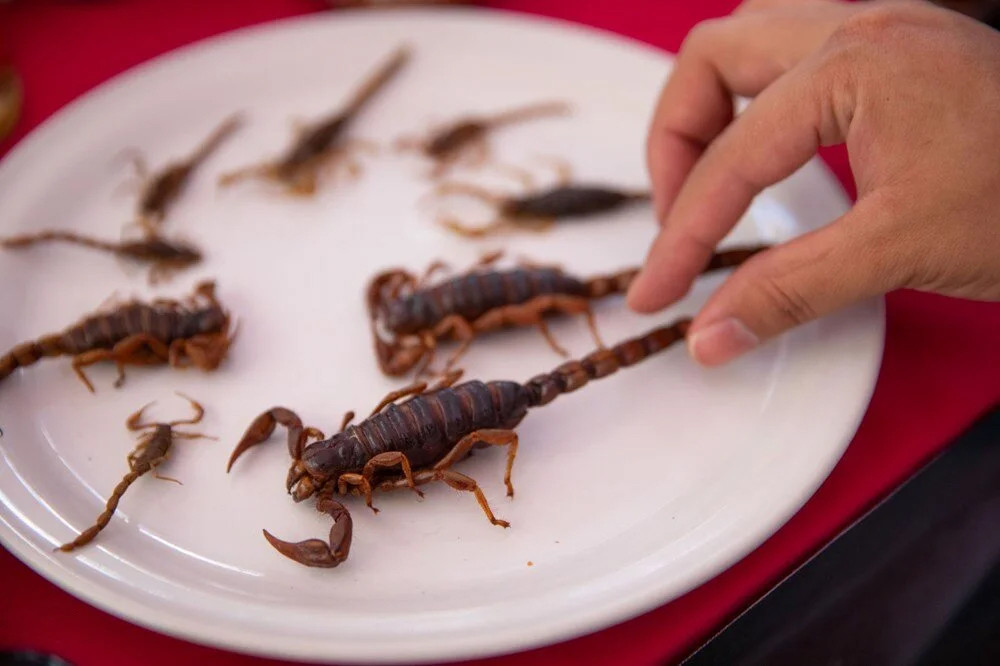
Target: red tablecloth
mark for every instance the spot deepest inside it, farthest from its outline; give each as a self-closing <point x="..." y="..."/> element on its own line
<point x="940" y="370"/>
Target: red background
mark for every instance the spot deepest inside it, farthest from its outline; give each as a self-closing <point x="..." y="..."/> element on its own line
<point x="940" y="370"/>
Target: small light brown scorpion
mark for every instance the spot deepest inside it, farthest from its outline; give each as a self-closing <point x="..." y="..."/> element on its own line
<point x="418" y="441"/>
<point x="152" y="451"/>
<point x="161" y="190"/>
<point x="416" y="316"/>
<point x="182" y="334"/>
<point x="322" y="143"/>
<point x="463" y="141"/>
<point x="164" y="257"/>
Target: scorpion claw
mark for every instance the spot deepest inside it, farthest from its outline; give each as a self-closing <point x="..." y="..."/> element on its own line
<point x="311" y="552"/>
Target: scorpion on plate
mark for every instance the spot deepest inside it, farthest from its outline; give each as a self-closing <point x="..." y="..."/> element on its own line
<point x="195" y="332"/>
<point x="152" y="450"/>
<point x="160" y="190"/>
<point x="164" y="257"/>
<point x="416" y="316"/>
<point x="402" y="446"/>
<point x="322" y="143"/>
<point x="463" y="141"/>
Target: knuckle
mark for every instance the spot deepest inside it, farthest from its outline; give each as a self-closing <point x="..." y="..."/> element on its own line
<point x="702" y="35"/>
<point x="787" y="302"/>
<point x="882" y="23"/>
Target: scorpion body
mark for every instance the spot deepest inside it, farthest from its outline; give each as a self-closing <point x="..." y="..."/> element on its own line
<point x="418" y="441"/>
<point x="161" y="190"/>
<point x="136" y="333"/>
<point x="164" y="257"/>
<point x="464" y="140"/>
<point x="322" y="143"/>
<point x="152" y="450"/>
<point x="537" y="211"/>
<point x="416" y="317"/>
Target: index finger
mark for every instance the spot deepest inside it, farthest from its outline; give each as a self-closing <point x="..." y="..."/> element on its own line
<point x="739" y="55"/>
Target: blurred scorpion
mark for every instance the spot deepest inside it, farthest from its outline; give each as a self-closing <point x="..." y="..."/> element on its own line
<point x="195" y="332"/>
<point x="322" y="143"/>
<point x="163" y="256"/>
<point x="416" y="317"/>
<point x="463" y="141"/>
<point x="402" y="446"/>
<point x="161" y="190"/>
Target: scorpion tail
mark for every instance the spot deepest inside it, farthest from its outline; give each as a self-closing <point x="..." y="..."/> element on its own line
<point x="572" y="375"/>
<point x="29" y="353"/>
<point x="618" y="283"/>
<point x="316" y="552"/>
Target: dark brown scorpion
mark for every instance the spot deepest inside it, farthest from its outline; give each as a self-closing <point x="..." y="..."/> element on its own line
<point x="152" y="451"/>
<point x="322" y="143"/>
<point x="418" y="441"/>
<point x="409" y="318"/>
<point x="164" y="257"/>
<point x="181" y="334"/>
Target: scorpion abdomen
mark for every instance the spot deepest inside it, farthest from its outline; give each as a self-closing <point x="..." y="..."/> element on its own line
<point x="471" y="296"/>
<point x="424" y="427"/>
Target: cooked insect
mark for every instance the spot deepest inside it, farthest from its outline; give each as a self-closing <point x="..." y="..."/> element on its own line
<point x="464" y="140"/>
<point x="419" y="441"/>
<point x="537" y="211"/>
<point x="152" y="451"/>
<point x="164" y="257"/>
<point x="408" y="318"/>
<point x="324" y="143"/>
<point x="161" y="189"/>
<point x="195" y="332"/>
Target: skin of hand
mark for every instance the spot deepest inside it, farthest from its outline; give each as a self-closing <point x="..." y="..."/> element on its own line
<point x="912" y="89"/>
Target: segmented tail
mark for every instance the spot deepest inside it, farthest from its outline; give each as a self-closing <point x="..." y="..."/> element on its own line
<point x="27" y="240"/>
<point x="572" y="375"/>
<point x="530" y="112"/>
<point x="618" y="283"/>
<point x="88" y="534"/>
<point x="377" y="80"/>
<point x="28" y="353"/>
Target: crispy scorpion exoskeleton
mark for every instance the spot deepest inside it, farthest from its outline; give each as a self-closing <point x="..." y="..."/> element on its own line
<point x="408" y="317"/>
<point x="402" y="446"/>
<point x="323" y="143"/>
<point x="152" y="451"/>
<point x="163" y="256"/>
<point x="191" y="333"/>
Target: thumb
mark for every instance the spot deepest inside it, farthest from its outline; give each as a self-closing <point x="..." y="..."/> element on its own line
<point x="791" y="284"/>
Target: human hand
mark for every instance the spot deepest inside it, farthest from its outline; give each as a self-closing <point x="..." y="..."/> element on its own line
<point x="913" y="90"/>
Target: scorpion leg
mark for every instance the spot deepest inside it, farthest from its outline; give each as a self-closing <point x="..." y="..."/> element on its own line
<point x="468" y="484"/>
<point x="491" y="436"/>
<point x="348" y="417"/>
<point x="316" y="552"/>
<point x="460" y="329"/>
<point x="126" y="352"/>
<point x="354" y="479"/>
<point x="262" y="427"/>
<point x="533" y="311"/>
<point x="393" y="396"/>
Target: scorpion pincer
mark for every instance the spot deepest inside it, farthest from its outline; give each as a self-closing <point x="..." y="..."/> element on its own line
<point x="418" y="441"/>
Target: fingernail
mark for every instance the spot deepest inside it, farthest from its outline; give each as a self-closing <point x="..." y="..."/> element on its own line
<point x="721" y="342"/>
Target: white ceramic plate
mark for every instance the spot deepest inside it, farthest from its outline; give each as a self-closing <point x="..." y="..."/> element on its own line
<point x="629" y="493"/>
